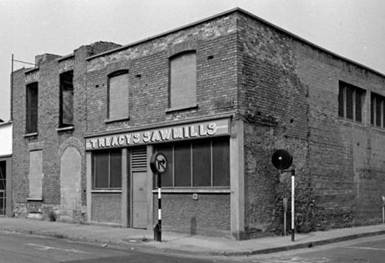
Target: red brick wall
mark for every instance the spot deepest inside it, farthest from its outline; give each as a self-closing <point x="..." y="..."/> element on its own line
<point x="208" y="215"/>
<point x="288" y="99"/>
<point x="52" y="142"/>
<point x="148" y="65"/>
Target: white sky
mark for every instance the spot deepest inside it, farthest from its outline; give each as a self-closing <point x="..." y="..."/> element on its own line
<point x="352" y="28"/>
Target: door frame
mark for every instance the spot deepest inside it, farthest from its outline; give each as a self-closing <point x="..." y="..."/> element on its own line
<point x="8" y="184"/>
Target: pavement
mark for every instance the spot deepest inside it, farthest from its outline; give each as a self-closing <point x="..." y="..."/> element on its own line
<point x="179" y="242"/>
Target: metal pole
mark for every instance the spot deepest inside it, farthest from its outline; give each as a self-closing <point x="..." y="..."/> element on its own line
<point x="292" y="205"/>
<point x="284" y="216"/>
<point x="11" y="90"/>
<point x="159" y="237"/>
<point x="383" y="214"/>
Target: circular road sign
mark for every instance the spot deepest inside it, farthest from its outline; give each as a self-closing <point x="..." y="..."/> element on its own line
<point x="281" y="159"/>
<point x="158" y="163"/>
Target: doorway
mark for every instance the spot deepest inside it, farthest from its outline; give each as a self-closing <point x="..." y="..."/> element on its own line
<point x="3" y="187"/>
<point x="139" y="192"/>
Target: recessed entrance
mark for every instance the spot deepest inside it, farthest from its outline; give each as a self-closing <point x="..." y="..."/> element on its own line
<point x="138" y="171"/>
<point x="139" y="200"/>
<point x="3" y="181"/>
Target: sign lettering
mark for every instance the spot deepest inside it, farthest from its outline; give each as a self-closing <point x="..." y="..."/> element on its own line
<point x="174" y="133"/>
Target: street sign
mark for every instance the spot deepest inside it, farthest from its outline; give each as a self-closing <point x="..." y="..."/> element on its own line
<point x="281" y="159"/>
<point x="158" y="163"/>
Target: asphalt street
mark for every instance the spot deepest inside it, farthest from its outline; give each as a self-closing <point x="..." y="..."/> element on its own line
<point x="22" y="248"/>
<point x="19" y="248"/>
<point x="363" y="250"/>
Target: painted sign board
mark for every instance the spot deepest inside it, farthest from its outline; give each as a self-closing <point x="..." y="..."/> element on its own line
<point x="158" y="135"/>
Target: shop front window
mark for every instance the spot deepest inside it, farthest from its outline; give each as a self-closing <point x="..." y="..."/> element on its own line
<point x="200" y="163"/>
<point x="107" y="169"/>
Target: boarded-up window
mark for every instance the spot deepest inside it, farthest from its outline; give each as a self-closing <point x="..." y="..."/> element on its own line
<point x="377" y="110"/>
<point x="35" y="174"/>
<point x="31" y="107"/>
<point x="66" y="99"/>
<point x="350" y="102"/>
<point x="183" y="80"/>
<point x="107" y="169"/>
<point x="118" y="95"/>
<point x="200" y="163"/>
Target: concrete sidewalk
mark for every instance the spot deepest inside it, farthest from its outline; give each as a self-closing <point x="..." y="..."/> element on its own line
<point x="182" y="243"/>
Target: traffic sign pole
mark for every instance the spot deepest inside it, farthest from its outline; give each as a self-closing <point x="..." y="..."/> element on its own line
<point x="159" y="207"/>
<point x="292" y="205"/>
<point x="158" y="164"/>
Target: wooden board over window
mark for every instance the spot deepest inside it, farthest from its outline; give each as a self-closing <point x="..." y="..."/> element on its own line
<point x="118" y="87"/>
<point x="183" y="80"/>
<point x="35" y="175"/>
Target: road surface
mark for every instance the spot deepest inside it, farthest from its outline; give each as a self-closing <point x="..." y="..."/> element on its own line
<point x="22" y="248"/>
<point x="19" y="248"/>
<point x="363" y="250"/>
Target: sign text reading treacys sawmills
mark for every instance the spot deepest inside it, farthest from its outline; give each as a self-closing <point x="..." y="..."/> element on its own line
<point x="172" y="133"/>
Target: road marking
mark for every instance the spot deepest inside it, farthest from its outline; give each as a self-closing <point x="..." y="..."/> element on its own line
<point x="368" y="248"/>
<point x="46" y="248"/>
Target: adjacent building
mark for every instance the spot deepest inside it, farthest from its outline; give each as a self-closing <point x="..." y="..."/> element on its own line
<point x="5" y="169"/>
<point x="217" y="97"/>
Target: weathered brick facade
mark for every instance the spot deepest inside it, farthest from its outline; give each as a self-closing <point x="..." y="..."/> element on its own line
<point x="276" y="90"/>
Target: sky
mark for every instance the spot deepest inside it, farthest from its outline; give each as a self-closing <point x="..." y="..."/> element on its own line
<point x="351" y="28"/>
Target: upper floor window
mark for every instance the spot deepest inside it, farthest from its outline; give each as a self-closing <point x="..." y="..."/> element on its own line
<point x="377" y="110"/>
<point x="183" y="80"/>
<point x="66" y="110"/>
<point x="31" y="107"/>
<point x="118" y="95"/>
<point x="350" y="101"/>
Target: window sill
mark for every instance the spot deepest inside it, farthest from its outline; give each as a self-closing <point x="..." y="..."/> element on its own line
<point x="32" y="134"/>
<point x="183" y="108"/>
<point x="34" y="199"/>
<point x="194" y="190"/>
<point x="118" y="191"/>
<point x="63" y="129"/>
<point x="116" y="120"/>
<point x="349" y="122"/>
<point x="377" y="128"/>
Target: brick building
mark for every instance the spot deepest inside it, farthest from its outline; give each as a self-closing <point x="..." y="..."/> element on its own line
<point x="218" y="97"/>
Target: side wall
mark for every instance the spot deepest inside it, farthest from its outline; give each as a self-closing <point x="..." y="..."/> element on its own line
<point x="347" y="157"/>
<point x="289" y="99"/>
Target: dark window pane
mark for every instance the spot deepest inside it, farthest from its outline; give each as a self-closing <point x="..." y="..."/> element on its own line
<point x="32" y="108"/>
<point x="349" y="103"/>
<point x="116" y="168"/>
<point x="341" y="102"/>
<point x="359" y="97"/>
<point x="201" y="163"/>
<point x="2" y="175"/>
<point x="182" y="155"/>
<point x="167" y="176"/>
<point x="100" y="165"/>
<point x="118" y="96"/>
<point x="372" y="106"/>
<point x="183" y="80"/>
<point x="66" y="99"/>
<point x="221" y="162"/>
<point x="378" y="111"/>
<point x="67" y="107"/>
<point x="383" y="114"/>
